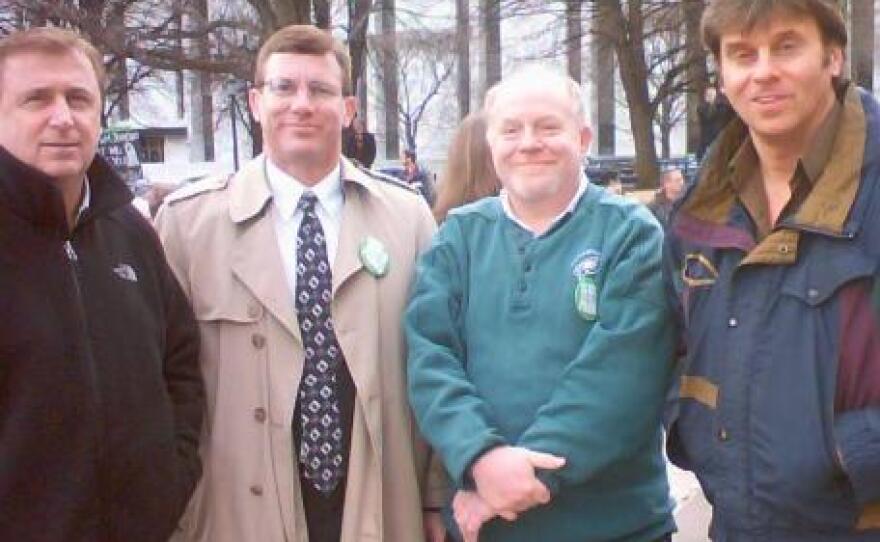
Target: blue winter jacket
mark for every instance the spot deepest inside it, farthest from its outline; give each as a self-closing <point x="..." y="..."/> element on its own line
<point x="778" y="403"/>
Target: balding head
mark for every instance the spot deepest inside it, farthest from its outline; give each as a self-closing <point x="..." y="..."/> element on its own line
<point x="539" y="78"/>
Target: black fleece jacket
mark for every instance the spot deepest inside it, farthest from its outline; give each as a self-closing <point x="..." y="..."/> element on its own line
<point x="101" y="398"/>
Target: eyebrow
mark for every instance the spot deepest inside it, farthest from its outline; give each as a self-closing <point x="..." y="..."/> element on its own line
<point x="788" y="34"/>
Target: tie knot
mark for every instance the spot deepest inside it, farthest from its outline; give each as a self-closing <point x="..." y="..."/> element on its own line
<point x="307" y="202"/>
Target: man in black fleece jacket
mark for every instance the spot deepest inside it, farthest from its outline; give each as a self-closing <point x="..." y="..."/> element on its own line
<point x="101" y="398"/>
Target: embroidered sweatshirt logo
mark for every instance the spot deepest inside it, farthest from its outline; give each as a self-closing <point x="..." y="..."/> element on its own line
<point x="125" y="272"/>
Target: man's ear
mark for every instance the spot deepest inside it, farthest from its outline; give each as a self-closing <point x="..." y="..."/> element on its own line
<point x="834" y="59"/>
<point x="586" y="136"/>
<point x="254" y="103"/>
<point x="349" y="103"/>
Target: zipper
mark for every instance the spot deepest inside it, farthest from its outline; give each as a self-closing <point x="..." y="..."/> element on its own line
<point x="76" y="276"/>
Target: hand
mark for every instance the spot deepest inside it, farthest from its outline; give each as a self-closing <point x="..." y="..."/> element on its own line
<point x="432" y="523"/>
<point x="505" y="478"/>
<point x="470" y="513"/>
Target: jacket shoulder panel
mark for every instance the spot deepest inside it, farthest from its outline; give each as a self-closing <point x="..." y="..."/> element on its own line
<point x="211" y="183"/>
<point x="388" y="179"/>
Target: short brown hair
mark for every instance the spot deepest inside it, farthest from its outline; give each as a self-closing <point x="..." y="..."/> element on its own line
<point x="309" y="40"/>
<point x="53" y="41"/>
<point x="723" y="16"/>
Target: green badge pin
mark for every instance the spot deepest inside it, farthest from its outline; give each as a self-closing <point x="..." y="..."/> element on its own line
<point x="374" y="257"/>
<point x="586" y="297"/>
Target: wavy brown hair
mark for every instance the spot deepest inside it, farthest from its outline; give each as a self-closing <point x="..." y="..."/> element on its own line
<point x="469" y="174"/>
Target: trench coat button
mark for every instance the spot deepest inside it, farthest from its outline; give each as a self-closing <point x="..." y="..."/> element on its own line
<point x="258" y="340"/>
<point x="732" y="322"/>
<point x="722" y="435"/>
<point x="253" y="310"/>
<point x="256" y="490"/>
<point x="784" y="249"/>
<point x="260" y="414"/>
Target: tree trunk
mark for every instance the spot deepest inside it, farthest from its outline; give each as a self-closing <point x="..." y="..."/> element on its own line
<point x="862" y="36"/>
<point x="603" y="84"/>
<point x="322" y="13"/>
<point x="463" y="56"/>
<point x="290" y="12"/>
<point x="628" y="43"/>
<point x="697" y="74"/>
<point x="573" y="37"/>
<point x="389" y="80"/>
<point x="359" y="17"/>
<point x="202" y="120"/>
<point x="490" y="14"/>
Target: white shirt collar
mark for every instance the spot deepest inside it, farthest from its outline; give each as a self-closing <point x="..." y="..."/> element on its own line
<point x="287" y="190"/>
<point x="508" y="210"/>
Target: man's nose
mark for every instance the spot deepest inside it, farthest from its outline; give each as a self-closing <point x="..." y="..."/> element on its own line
<point x="765" y="67"/>
<point x="301" y="99"/>
<point x="529" y="139"/>
<point x="61" y="115"/>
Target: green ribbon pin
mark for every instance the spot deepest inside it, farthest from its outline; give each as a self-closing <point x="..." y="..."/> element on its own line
<point x="374" y="257"/>
<point x="586" y="297"/>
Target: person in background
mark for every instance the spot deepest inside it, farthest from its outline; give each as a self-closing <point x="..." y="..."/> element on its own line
<point x="615" y="185"/>
<point x="101" y="398"/>
<point x="671" y="188"/>
<point x="774" y="257"/>
<point x="714" y="112"/>
<point x="299" y="267"/>
<point x="416" y="177"/>
<point x="358" y="144"/>
<point x="469" y="174"/>
<point x="540" y="341"/>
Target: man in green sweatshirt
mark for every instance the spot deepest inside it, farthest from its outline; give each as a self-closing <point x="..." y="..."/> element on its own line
<point x="539" y="339"/>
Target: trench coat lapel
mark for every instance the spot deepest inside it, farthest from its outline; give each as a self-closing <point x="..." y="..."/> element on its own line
<point x="255" y="259"/>
<point x="356" y="301"/>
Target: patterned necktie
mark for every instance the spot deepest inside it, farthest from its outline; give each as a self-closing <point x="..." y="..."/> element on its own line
<point x="320" y="453"/>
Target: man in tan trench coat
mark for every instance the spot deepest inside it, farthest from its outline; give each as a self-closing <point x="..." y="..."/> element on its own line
<point x="242" y="249"/>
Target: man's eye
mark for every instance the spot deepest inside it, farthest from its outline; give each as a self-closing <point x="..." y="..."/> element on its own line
<point x="741" y="55"/>
<point x="787" y="46"/>
<point x="322" y="90"/>
<point x="34" y="99"/>
<point x="282" y="86"/>
<point x="79" y="101"/>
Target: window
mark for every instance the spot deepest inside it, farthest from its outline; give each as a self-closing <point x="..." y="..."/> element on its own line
<point x="154" y="149"/>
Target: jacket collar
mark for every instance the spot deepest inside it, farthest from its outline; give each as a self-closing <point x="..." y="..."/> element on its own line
<point x="826" y="209"/>
<point x="251" y="192"/>
<point x="33" y="196"/>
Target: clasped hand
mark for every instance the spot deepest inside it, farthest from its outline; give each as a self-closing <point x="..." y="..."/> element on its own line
<point x="506" y="486"/>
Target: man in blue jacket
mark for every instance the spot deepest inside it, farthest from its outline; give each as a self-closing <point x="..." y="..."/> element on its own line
<point x="773" y="258"/>
<point x="539" y="339"/>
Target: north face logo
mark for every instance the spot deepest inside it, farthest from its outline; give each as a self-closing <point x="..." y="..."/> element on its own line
<point x="125" y="272"/>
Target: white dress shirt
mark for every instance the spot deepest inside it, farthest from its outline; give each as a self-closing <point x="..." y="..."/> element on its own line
<point x="286" y="192"/>
<point x="508" y="210"/>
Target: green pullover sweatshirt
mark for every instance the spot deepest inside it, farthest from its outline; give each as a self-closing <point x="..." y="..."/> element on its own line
<point x="560" y="343"/>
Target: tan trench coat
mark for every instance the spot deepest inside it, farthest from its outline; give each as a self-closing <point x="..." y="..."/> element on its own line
<point x="220" y="240"/>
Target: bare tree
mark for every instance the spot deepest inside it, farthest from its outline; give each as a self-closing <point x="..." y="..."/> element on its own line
<point x="862" y="47"/>
<point x="388" y="67"/>
<point x="425" y="60"/>
<point x="626" y="30"/>
<point x="490" y="19"/>
<point x="574" y="37"/>
<point x="697" y="73"/>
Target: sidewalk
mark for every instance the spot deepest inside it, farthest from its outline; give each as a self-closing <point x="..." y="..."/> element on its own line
<point x="692" y="512"/>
